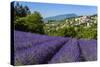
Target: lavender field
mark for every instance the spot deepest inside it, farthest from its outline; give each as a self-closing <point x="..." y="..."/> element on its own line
<point x="41" y="34"/>
<point x="30" y="49"/>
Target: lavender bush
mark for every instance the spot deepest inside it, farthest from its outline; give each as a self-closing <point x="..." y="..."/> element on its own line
<point x="88" y="49"/>
<point x="24" y="40"/>
<point x="39" y="54"/>
<point x="68" y="53"/>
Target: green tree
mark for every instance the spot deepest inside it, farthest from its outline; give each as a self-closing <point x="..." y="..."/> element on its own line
<point x="20" y="10"/>
<point x="69" y="32"/>
<point x="87" y="33"/>
<point x="31" y="23"/>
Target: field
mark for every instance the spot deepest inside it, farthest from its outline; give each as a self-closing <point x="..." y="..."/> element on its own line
<point x="41" y="49"/>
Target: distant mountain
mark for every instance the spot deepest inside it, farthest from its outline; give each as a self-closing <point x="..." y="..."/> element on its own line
<point x="60" y="17"/>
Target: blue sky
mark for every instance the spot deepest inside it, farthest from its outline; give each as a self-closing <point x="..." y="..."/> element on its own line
<point x="47" y="9"/>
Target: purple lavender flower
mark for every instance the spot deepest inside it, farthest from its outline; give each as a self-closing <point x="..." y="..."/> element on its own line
<point x="40" y="54"/>
<point x="88" y="49"/>
<point x="23" y="40"/>
<point x="68" y="53"/>
<point x="41" y="49"/>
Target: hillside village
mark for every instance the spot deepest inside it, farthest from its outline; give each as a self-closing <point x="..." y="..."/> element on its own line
<point x="85" y="22"/>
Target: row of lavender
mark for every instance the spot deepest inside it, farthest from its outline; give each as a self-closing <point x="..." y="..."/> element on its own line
<point x="32" y="49"/>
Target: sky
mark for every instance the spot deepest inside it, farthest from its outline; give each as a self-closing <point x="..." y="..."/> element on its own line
<point x="49" y="9"/>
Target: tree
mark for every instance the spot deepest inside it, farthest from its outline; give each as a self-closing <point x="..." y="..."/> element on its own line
<point x="69" y="32"/>
<point x="87" y="33"/>
<point x="20" y="10"/>
<point x="31" y="23"/>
